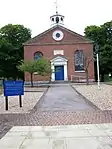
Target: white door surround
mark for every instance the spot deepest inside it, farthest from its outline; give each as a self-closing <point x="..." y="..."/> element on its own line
<point x="59" y="61"/>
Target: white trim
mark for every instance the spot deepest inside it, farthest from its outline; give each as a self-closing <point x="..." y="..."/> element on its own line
<point x="65" y="73"/>
<point x="58" y="38"/>
<point x="80" y="71"/>
<point x="53" y="73"/>
<point x="59" y="61"/>
<point x="58" y="52"/>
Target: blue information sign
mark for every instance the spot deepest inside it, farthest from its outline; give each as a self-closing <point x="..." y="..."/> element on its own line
<point x="13" y="88"/>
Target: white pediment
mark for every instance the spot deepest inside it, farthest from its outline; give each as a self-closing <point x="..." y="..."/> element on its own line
<point x="59" y="59"/>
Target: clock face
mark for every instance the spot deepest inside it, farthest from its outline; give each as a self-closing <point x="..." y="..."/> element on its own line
<point x="58" y="35"/>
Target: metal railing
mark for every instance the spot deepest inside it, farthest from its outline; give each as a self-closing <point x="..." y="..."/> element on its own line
<point x="75" y="78"/>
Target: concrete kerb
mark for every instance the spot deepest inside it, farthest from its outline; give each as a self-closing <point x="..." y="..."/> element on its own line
<point x="4" y="129"/>
<point x="87" y="101"/>
<point x="7" y="122"/>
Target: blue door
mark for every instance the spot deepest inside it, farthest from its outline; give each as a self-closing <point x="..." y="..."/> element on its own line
<point x="59" y="72"/>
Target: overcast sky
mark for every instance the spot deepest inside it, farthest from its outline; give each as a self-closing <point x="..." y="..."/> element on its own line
<point x="35" y="14"/>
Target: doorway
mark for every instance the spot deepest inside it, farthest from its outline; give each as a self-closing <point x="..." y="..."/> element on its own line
<point x="59" y="72"/>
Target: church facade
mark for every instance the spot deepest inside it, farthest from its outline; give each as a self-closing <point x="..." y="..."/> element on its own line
<point x="68" y="52"/>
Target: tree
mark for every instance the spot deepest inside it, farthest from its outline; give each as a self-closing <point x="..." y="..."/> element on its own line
<point x="41" y="67"/>
<point x="105" y="57"/>
<point x="102" y="35"/>
<point x="107" y="32"/>
<point x="5" y="59"/>
<point x="87" y="62"/>
<point x="12" y="38"/>
<point x="15" y="34"/>
<point x="44" y="67"/>
<point x="94" y="32"/>
<point x="30" y="67"/>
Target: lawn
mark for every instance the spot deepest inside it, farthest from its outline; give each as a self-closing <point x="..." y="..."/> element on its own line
<point x="1" y="90"/>
<point x="108" y="80"/>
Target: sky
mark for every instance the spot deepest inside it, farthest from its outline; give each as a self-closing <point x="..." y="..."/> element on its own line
<point x="35" y="14"/>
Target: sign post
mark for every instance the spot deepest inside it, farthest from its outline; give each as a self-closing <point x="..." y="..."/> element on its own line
<point x="13" y="88"/>
<point x="6" y="102"/>
<point x="20" y="101"/>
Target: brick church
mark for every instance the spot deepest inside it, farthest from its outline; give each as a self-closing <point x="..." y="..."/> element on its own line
<point x="65" y="49"/>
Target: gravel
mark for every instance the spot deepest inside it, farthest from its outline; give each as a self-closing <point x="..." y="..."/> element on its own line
<point x="29" y="100"/>
<point x="101" y="98"/>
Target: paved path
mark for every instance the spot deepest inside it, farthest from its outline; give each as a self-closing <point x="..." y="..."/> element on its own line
<point x="77" y="111"/>
<point x="63" y="98"/>
<point x="59" y="137"/>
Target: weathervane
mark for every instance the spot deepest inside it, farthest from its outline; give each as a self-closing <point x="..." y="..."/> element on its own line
<point x="56" y="3"/>
<point x="57" y="18"/>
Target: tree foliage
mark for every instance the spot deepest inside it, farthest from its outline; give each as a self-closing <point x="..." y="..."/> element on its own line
<point x="30" y="67"/>
<point x="41" y="67"/>
<point x="15" y="34"/>
<point x="12" y="38"/>
<point x="102" y="35"/>
<point x="44" y="67"/>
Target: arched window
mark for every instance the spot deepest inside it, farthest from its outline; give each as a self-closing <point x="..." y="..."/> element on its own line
<point x="79" y="60"/>
<point x="38" y="55"/>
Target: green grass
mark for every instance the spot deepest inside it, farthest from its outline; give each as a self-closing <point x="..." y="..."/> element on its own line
<point x="108" y="79"/>
<point x="1" y="90"/>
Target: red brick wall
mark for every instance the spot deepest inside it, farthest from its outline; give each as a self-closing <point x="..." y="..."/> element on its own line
<point x="68" y="37"/>
<point x="68" y="53"/>
<point x="70" y="43"/>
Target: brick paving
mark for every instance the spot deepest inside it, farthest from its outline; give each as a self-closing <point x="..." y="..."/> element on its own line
<point x="46" y="118"/>
<point x="53" y="118"/>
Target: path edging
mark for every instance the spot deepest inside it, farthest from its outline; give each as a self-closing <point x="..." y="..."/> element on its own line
<point x="40" y="100"/>
<point x="88" y="101"/>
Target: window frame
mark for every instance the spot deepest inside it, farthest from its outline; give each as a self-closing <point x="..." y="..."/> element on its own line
<point x="79" y="60"/>
<point x="36" y="53"/>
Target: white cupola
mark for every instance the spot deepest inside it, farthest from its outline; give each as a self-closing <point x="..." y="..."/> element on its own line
<point x="57" y="19"/>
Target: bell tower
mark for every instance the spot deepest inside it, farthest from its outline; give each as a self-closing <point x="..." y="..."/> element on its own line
<point x="57" y="19"/>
